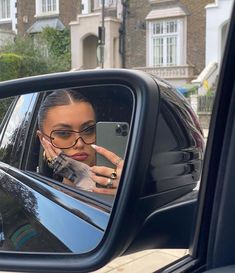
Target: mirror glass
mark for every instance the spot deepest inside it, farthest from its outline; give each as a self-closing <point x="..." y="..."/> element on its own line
<point x="61" y="159"/>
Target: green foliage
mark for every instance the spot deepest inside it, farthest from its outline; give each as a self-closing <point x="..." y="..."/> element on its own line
<point x="59" y="48"/>
<point x="42" y="53"/>
<point x="191" y="90"/>
<point x="10" y="64"/>
<point x="21" y="59"/>
<point x="13" y="66"/>
<point x="22" y="46"/>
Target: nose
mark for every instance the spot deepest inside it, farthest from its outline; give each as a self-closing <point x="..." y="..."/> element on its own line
<point x="79" y="144"/>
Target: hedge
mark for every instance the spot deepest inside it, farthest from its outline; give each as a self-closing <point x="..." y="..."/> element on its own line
<point x="13" y="66"/>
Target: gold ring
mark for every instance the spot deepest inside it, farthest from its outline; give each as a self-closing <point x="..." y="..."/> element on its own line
<point x="49" y="159"/>
<point x="113" y="174"/>
<point x="118" y="161"/>
<point x="109" y="183"/>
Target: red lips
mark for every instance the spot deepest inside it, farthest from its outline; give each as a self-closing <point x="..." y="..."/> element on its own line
<point x="79" y="156"/>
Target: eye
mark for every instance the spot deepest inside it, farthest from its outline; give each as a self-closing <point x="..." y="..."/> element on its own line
<point x="62" y="134"/>
<point x="89" y="130"/>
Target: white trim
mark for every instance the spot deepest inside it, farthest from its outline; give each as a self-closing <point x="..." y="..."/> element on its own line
<point x="212" y="5"/>
<point x="13" y="13"/>
<point x="5" y="21"/>
<point x="165" y="13"/>
<point x="87" y="6"/>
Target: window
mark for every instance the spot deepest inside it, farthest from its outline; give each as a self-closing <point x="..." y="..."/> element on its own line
<point x="165" y="42"/>
<point x="47" y="7"/>
<point x="5" y="9"/>
<point x="13" y="139"/>
<point x="107" y="3"/>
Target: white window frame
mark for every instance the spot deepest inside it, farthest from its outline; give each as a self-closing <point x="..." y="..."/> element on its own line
<point x="180" y="47"/>
<point x="85" y="6"/>
<point x="107" y="3"/>
<point x="44" y="11"/>
<point x="5" y="11"/>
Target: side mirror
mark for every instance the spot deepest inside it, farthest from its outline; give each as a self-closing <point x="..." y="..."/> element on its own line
<point x="162" y="165"/>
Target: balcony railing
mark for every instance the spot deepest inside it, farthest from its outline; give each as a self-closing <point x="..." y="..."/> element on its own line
<point x="170" y="72"/>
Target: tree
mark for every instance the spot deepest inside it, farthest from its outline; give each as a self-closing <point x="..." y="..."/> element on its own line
<point x="59" y="48"/>
<point x="20" y="59"/>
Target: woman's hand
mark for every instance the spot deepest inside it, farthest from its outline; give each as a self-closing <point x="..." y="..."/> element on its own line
<point x="107" y="176"/>
<point x="50" y="151"/>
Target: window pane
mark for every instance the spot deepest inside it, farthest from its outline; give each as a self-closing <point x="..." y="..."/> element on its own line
<point x="171" y="50"/>
<point x="44" y="9"/>
<point x="14" y="136"/>
<point x="5" y="9"/>
<point x="157" y="28"/>
<point x="157" y="51"/>
<point x="54" y="5"/>
<point x="171" y="27"/>
<point x="107" y="3"/>
<point x="48" y="6"/>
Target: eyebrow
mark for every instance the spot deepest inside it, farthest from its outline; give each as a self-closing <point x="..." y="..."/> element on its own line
<point x="87" y="123"/>
<point x="69" y="127"/>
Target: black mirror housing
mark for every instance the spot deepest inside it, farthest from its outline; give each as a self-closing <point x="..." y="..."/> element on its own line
<point x="163" y="162"/>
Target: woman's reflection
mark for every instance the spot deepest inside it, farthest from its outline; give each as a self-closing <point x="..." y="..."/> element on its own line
<point x="67" y="124"/>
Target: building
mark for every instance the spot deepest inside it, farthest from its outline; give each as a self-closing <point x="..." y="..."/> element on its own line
<point x="168" y="38"/>
<point x="7" y="20"/>
<point x="216" y="32"/>
<point x="84" y="34"/>
<point x="31" y="16"/>
<point x="163" y="37"/>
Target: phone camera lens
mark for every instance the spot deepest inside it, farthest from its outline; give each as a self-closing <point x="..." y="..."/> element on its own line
<point x="118" y="130"/>
<point x="124" y="127"/>
<point x="124" y="133"/>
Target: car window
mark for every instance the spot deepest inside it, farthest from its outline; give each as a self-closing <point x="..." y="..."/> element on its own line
<point x="13" y="139"/>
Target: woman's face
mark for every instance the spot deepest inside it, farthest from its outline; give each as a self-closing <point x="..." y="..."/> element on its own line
<point x="77" y="117"/>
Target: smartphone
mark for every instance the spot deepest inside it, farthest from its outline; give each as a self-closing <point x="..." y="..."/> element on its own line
<point x="113" y="136"/>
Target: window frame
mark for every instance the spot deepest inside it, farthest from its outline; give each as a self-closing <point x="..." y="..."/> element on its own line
<point x="7" y="10"/>
<point x="108" y="4"/>
<point x="40" y="12"/>
<point x="179" y="34"/>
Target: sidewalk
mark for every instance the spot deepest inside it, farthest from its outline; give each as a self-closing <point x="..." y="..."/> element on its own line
<point x="145" y="261"/>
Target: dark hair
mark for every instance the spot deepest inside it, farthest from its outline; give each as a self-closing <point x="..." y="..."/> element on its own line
<point x="59" y="98"/>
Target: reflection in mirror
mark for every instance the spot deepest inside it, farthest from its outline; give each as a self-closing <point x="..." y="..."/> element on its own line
<point x="68" y="148"/>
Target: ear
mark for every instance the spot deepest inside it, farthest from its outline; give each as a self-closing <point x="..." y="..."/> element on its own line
<point x="40" y="135"/>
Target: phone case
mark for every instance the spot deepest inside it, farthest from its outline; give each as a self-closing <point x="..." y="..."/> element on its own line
<point x="112" y="136"/>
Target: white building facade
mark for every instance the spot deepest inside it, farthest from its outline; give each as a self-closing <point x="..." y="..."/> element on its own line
<point x="217" y="20"/>
<point x="84" y="35"/>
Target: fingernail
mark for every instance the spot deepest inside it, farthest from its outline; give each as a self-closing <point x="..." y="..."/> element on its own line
<point x="93" y="146"/>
